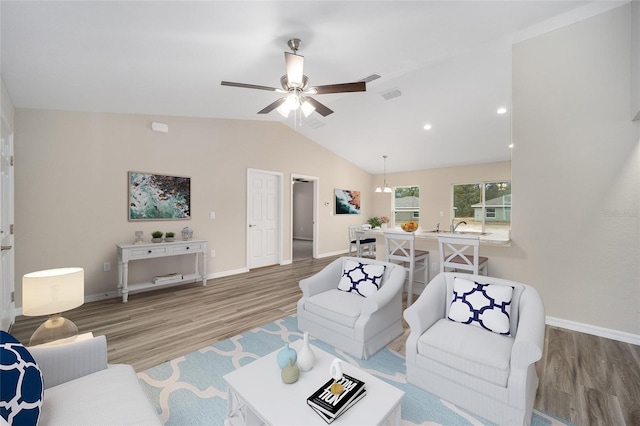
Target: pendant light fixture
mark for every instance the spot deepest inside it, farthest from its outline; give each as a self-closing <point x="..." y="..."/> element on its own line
<point x="384" y="188"/>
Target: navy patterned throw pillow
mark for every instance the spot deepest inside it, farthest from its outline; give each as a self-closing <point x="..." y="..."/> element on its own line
<point x="483" y="305"/>
<point x="362" y="278"/>
<point x="22" y="386"/>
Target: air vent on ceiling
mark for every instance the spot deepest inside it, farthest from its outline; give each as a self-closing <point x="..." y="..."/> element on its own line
<point x="391" y="93"/>
<point x="370" y="78"/>
<point x="313" y="123"/>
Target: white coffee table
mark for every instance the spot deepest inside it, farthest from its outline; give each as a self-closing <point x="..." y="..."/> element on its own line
<point x="257" y="395"/>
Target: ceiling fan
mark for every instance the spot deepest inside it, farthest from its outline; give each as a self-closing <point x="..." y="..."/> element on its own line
<point x="296" y="86"/>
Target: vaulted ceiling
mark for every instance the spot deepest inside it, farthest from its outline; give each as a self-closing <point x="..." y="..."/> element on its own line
<point x="448" y="63"/>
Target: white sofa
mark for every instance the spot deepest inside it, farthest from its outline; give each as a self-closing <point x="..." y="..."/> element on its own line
<point x="358" y="325"/>
<point x="82" y="389"/>
<point x="490" y="374"/>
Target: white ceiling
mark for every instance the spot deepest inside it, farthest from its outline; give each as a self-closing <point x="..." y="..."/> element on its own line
<point x="449" y="59"/>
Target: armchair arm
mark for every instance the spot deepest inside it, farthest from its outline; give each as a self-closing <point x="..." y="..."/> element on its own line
<point x="529" y="339"/>
<point x="424" y="312"/>
<point x="324" y="280"/>
<point x="68" y="361"/>
<point x="429" y="307"/>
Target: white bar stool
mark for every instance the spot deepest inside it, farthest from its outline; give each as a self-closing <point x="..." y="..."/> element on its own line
<point x="400" y="248"/>
<point x="463" y="254"/>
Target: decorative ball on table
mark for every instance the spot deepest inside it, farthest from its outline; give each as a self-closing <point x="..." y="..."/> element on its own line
<point x="410" y="226"/>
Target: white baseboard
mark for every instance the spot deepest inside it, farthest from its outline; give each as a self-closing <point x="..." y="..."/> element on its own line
<point x="608" y="333"/>
<point x="335" y="253"/>
<point x="286" y="262"/>
<point x="227" y="273"/>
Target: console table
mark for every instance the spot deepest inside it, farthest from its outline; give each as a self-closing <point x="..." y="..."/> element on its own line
<point x="128" y="252"/>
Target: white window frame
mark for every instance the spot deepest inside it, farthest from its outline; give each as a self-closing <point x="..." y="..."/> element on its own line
<point x="415" y="212"/>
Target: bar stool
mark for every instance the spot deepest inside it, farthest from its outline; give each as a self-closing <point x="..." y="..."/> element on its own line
<point x="400" y="248"/>
<point x="460" y="256"/>
<point x="363" y="244"/>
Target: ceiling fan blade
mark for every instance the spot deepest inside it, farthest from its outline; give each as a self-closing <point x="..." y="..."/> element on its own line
<point x="359" y="86"/>
<point x="320" y="108"/>
<point x="250" y="86"/>
<point x="295" y="68"/>
<point x="272" y="106"/>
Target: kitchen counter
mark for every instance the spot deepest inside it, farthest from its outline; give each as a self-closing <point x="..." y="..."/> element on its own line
<point x="500" y="238"/>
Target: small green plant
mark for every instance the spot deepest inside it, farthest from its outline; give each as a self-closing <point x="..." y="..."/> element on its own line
<point x="156" y="234"/>
<point x="169" y="235"/>
<point x="374" y="222"/>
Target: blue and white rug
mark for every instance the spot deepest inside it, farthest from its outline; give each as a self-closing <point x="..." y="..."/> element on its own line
<point x="190" y="390"/>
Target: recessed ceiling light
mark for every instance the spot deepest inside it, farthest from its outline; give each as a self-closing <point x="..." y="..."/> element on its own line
<point x="501" y="110"/>
<point x="427" y="126"/>
<point x="510" y="145"/>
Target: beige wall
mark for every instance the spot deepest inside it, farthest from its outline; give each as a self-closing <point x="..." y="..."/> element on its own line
<point x="71" y="187"/>
<point x="576" y="172"/>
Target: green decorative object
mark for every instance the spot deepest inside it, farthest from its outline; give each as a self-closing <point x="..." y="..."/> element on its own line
<point x="374" y="222"/>
<point x="290" y="373"/>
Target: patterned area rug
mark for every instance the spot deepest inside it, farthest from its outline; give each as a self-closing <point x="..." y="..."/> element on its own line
<point x="190" y="390"/>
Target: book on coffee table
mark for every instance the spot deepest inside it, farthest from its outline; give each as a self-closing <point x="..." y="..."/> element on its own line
<point x="332" y="405"/>
<point x="330" y="419"/>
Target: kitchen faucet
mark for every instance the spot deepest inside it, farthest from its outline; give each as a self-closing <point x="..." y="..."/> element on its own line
<point x="455" y="226"/>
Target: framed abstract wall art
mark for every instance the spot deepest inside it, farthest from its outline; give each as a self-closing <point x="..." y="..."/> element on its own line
<point x="159" y="197"/>
<point x="347" y="201"/>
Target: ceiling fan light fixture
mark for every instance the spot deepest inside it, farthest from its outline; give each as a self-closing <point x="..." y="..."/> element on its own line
<point x="307" y="108"/>
<point x="284" y="110"/>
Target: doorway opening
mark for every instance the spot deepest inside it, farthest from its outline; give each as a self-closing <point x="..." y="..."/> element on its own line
<point x="304" y="206"/>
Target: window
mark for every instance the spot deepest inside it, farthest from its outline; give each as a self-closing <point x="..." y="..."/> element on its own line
<point x="406" y="204"/>
<point x="484" y="206"/>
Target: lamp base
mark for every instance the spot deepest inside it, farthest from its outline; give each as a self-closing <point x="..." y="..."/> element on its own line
<point x="55" y="328"/>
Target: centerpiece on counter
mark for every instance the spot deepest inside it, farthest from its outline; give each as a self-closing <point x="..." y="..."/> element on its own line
<point x="410" y="226"/>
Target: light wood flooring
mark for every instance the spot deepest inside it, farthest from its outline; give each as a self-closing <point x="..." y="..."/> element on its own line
<point x="585" y="379"/>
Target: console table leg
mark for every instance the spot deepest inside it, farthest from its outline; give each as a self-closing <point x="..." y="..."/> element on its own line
<point x="204" y="269"/>
<point x="125" y="282"/>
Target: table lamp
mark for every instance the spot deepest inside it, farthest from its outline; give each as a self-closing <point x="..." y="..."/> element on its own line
<point x="52" y="292"/>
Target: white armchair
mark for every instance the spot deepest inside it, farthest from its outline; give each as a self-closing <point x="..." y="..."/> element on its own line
<point x="487" y="373"/>
<point x="81" y="388"/>
<point x="358" y="325"/>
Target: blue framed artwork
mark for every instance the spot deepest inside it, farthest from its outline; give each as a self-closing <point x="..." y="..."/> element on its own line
<point x="159" y="197"/>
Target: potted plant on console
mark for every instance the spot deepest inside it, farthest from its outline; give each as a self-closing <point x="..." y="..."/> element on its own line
<point x="169" y="237"/>
<point x="156" y="236"/>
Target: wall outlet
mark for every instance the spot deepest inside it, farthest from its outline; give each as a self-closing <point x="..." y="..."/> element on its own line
<point x="212" y="215"/>
<point x="106" y="266"/>
<point x="434" y="266"/>
<point x="213" y="253"/>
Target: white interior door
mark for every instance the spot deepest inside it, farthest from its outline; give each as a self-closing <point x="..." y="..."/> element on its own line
<point x="264" y="218"/>
<point x="7" y="285"/>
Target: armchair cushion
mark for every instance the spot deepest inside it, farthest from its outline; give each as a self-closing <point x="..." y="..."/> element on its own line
<point x="336" y="307"/>
<point x="474" y="351"/>
<point x="22" y="387"/>
<point x="361" y="278"/>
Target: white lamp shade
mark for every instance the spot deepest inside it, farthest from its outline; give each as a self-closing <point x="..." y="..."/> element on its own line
<point x="52" y="291"/>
